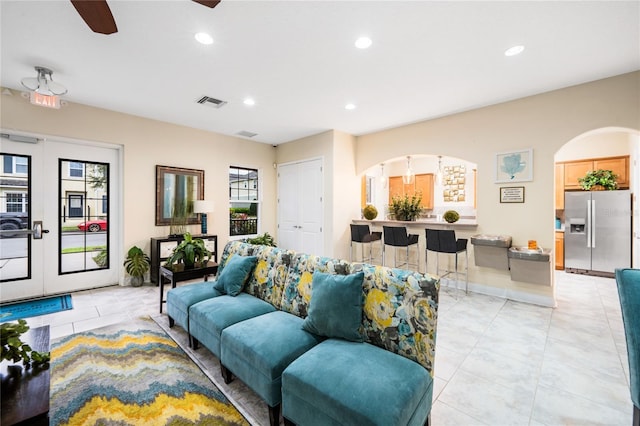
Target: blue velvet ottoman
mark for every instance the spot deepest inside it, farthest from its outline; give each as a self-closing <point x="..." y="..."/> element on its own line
<point x="208" y="318"/>
<point x="259" y="349"/>
<point x="180" y="299"/>
<point x="347" y="383"/>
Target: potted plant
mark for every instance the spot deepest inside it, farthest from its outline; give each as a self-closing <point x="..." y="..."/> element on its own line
<point x="12" y="348"/>
<point x="188" y="253"/>
<point x="406" y="207"/>
<point x="370" y="212"/>
<point x="264" y="239"/>
<point x="136" y="264"/>
<point x="451" y="216"/>
<point x="598" y="180"/>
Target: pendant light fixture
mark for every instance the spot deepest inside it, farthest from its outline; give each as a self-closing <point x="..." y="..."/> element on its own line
<point x="408" y="176"/>
<point x="439" y="173"/>
<point x="383" y="178"/>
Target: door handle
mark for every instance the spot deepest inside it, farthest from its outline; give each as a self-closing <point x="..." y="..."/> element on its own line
<point x="37" y="230"/>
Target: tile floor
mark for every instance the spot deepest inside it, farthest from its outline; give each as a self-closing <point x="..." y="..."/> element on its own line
<point x="498" y="362"/>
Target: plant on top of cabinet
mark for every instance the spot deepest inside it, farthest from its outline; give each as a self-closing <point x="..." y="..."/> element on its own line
<point x="597" y="180"/>
<point x="188" y="253"/>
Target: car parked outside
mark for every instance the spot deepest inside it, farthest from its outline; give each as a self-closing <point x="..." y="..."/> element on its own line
<point x="93" y="225"/>
<point x="13" y="221"/>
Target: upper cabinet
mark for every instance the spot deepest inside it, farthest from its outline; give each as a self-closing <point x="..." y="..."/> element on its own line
<point x="423" y="183"/>
<point x="573" y="170"/>
<point x="559" y="186"/>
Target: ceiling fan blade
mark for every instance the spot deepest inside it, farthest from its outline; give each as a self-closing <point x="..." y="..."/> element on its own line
<point x="208" y="3"/>
<point x="97" y="15"/>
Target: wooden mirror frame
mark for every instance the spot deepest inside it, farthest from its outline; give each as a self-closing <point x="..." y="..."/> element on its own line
<point x="164" y="180"/>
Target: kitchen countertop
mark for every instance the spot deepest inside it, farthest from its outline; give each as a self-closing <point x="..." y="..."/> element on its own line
<point x="422" y="223"/>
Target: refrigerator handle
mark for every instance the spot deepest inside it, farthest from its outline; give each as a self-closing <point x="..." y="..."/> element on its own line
<point x="592" y="223"/>
<point x="588" y="223"/>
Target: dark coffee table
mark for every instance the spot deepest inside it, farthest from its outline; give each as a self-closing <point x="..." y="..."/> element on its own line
<point x="210" y="268"/>
<point x="25" y="393"/>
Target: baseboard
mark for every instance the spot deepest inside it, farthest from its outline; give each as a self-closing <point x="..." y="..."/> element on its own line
<point x="509" y="294"/>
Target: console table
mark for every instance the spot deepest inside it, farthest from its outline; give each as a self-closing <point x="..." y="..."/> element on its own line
<point x="211" y="268"/>
<point x="162" y="248"/>
<point x="25" y="393"/>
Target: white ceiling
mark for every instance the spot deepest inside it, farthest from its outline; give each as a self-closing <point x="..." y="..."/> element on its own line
<point x="298" y="60"/>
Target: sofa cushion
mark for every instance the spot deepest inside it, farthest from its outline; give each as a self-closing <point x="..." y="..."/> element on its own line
<point x="208" y="318"/>
<point x="335" y="309"/>
<point x="180" y="299"/>
<point x="348" y="383"/>
<point x="400" y="311"/>
<point x="235" y="274"/>
<point x="269" y="276"/>
<point x="297" y="291"/>
<point x="259" y="349"/>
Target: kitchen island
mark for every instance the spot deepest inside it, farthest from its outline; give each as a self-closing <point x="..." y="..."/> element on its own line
<point x="463" y="224"/>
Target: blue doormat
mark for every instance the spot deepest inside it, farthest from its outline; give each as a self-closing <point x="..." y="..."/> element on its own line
<point x="33" y="308"/>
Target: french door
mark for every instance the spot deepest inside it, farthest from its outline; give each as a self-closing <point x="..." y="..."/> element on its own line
<point x="58" y="211"/>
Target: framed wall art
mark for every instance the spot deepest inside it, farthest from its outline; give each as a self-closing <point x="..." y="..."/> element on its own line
<point x="514" y="166"/>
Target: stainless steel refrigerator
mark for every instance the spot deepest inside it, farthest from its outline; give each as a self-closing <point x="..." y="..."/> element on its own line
<point x="597" y="231"/>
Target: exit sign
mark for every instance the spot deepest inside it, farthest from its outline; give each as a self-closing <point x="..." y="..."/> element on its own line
<point x="44" y="100"/>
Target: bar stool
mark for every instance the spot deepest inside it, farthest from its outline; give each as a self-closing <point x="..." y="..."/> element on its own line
<point x="444" y="241"/>
<point x="361" y="234"/>
<point x="397" y="236"/>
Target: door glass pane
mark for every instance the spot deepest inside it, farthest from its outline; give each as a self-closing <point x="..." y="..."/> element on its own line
<point x="14" y="216"/>
<point x="84" y="215"/>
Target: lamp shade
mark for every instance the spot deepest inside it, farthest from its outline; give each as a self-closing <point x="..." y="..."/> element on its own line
<point x="202" y="206"/>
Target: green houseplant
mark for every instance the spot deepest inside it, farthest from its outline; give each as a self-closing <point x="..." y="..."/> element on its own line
<point x="136" y="264"/>
<point x="12" y="347"/>
<point x="264" y="239"/>
<point x="370" y="212"/>
<point x="189" y="252"/>
<point x="406" y="207"/>
<point x="598" y="180"/>
<point x="451" y="216"/>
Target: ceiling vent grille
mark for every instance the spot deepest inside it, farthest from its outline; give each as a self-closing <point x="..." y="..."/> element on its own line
<point x="246" y="134"/>
<point x="212" y="102"/>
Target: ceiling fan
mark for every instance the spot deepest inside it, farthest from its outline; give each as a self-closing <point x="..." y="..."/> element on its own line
<point x="97" y="15"/>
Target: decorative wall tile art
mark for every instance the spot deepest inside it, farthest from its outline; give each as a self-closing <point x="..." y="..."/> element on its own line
<point x="454" y="183"/>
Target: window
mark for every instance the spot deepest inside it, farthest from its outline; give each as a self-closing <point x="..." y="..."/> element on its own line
<point x="75" y="203"/>
<point x="244" y="200"/>
<point x="105" y="205"/>
<point x="76" y="169"/>
<point x="15" y="165"/>
<point x="16" y="202"/>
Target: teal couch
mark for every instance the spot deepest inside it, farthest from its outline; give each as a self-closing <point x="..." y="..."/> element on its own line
<point x="262" y="337"/>
<point x="628" y="281"/>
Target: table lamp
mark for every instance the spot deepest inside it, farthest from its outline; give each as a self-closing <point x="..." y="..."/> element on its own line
<point x="203" y="207"/>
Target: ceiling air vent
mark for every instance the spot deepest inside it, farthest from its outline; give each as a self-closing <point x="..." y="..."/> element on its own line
<point x="212" y="102"/>
<point x="246" y="134"/>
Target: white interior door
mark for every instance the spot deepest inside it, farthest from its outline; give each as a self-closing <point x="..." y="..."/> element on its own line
<point x="73" y="191"/>
<point x="300" y="206"/>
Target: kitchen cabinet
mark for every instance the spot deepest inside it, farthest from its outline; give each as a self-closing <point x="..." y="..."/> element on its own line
<point x="422" y="183"/>
<point x="559" y="182"/>
<point x="573" y="170"/>
<point x="559" y="250"/>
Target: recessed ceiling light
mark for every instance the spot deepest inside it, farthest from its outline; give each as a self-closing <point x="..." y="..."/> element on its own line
<point x="515" y="50"/>
<point x="350" y="106"/>
<point x="363" y="42"/>
<point x="204" y="38"/>
<point x="249" y="101"/>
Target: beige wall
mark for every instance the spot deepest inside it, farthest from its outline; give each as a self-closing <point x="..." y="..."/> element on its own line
<point x="543" y="122"/>
<point x="601" y="143"/>
<point x="147" y="143"/>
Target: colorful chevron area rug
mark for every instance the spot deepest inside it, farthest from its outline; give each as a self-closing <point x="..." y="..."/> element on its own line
<point x="132" y="374"/>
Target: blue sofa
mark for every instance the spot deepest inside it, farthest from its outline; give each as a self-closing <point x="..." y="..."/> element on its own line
<point x="326" y="340"/>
